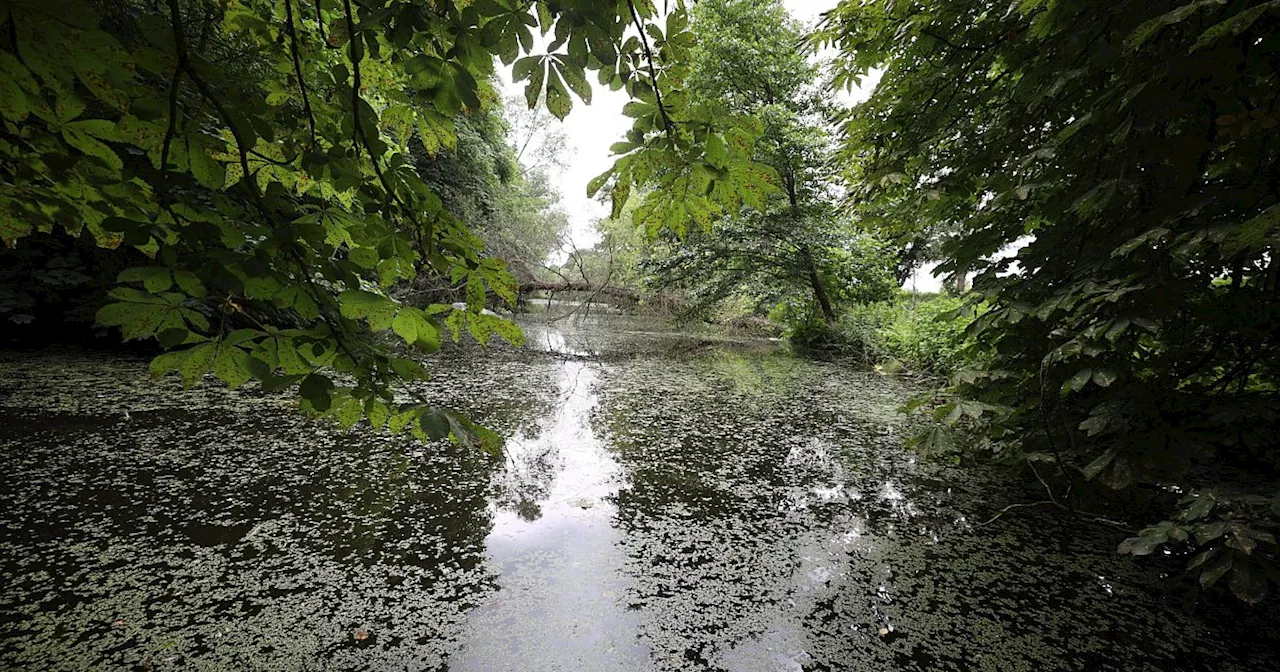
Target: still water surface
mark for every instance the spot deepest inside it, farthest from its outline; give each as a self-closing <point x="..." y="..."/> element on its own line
<point x="666" y="503"/>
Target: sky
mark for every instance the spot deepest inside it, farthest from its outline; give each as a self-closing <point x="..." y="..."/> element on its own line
<point x="591" y="129"/>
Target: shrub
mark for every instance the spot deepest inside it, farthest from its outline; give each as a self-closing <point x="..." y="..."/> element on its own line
<point x="924" y="333"/>
<point x="919" y="332"/>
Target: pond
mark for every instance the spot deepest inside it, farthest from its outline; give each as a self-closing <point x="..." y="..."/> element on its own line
<point x="667" y="502"/>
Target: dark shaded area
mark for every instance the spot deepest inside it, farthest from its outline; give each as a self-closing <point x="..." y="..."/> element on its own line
<point x="51" y="286"/>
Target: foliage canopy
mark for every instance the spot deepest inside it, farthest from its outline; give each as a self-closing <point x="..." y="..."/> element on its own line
<point x="1130" y="148"/>
<point x="264" y="156"/>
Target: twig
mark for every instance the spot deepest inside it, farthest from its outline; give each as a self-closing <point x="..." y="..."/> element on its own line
<point x="1074" y="514"/>
<point x="1010" y="508"/>
<point x="1047" y="489"/>
<point x="320" y="23"/>
<point x="1053" y="446"/>
<point x="13" y="37"/>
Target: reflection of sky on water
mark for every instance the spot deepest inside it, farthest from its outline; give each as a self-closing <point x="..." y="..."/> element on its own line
<point x="558" y="587"/>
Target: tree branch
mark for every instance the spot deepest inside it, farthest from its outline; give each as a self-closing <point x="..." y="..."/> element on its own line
<point x="653" y="74"/>
<point x="359" y="134"/>
<point x="320" y="23"/>
<point x="175" y="84"/>
<point x="297" y="69"/>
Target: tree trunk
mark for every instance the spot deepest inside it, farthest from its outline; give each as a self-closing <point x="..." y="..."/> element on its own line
<point x="819" y="290"/>
<point x="815" y="280"/>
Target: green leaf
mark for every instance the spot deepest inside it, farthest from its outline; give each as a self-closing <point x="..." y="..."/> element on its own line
<point x="14" y="223"/>
<point x="1248" y="583"/>
<point x="408" y="369"/>
<point x="454" y="323"/>
<point x="365" y="257"/>
<point x="1140" y="545"/>
<point x="475" y="293"/>
<point x="1254" y="233"/>
<point x="533" y="91"/>
<point x="91" y="147"/>
<point x="1207" y="532"/>
<point x="577" y="81"/>
<point x="436" y="131"/>
<point x="208" y="172"/>
<point x="484" y="325"/>
<point x="155" y="279"/>
<point x="1240" y="540"/>
<point x="232" y="365"/>
<point x="197" y="363"/>
<point x="1104" y="377"/>
<point x="558" y="101"/>
<point x="1148" y="29"/>
<point x="288" y="357"/>
<point x="1077" y="382"/>
<point x="348" y="412"/>
<point x="1234" y="25"/>
<point x="717" y="151"/>
<point x="13" y="102"/>
<point x="598" y="182"/>
<point x="1215" y="570"/>
<point x="379" y="310"/>
<point x="435" y="424"/>
<point x="173" y="337"/>
<point x="378" y="413"/>
<point x="1202" y="557"/>
<point x="637" y="109"/>
<point x="316" y="388"/>
<point x="67" y="107"/>
<point x="470" y="435"/>
<point x="189" y="283"/>
<point x="403" y="419"/>
<point x="523" y="69"/>
<point x="1201" y="507"/>
<point x="545" y="20"/>
<point x="1095" y="467"/>
<point x="138" y="319"/>
<point x="406" y="324"/>
<point x="166" y="362"/>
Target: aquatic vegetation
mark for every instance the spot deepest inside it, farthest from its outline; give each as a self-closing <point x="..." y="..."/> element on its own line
<point x="652" y="512"/>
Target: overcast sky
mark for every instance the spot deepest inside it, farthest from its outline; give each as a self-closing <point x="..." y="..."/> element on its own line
<point x="591" y="129"/>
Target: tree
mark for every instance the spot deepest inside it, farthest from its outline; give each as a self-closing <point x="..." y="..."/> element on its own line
<point x="1134" y="338"/>
<point x="533" y="222"/>
<point x="748" y="58"/>
<point x="261" y="155"/>
<point x="494" y="178"/>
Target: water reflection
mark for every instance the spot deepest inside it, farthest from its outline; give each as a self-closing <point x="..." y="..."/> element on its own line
<point x="555" y="551"/>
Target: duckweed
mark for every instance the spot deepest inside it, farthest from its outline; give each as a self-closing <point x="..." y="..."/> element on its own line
<point x="666" y="502"/>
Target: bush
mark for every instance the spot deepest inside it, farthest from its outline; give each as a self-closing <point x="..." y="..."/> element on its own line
<point x="924" y="334"/>
<point x="913" y="331"/>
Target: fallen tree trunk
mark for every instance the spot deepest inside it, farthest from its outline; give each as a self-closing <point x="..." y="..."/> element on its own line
<point x="557" y="287"/>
